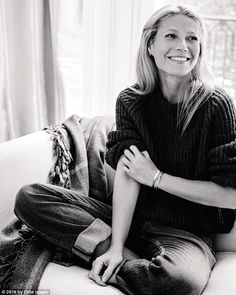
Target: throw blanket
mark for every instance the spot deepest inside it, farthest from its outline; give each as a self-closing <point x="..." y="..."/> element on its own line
<point x="79" y="149"/>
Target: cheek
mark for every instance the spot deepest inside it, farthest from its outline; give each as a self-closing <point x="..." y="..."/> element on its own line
<point x="196" y="51"/>
<point x="197" y="58"/>
<point x="159" y="56"/>
<point x="159" y="61"/>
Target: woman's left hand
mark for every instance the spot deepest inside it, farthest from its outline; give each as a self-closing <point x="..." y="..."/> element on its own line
<point x="139" y="166"/>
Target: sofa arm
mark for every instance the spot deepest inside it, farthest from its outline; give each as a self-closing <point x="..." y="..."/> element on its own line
<point x="26" y="159"/>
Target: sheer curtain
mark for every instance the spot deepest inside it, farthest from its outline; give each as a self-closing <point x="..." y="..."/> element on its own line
<point x="60" y="57"/>
<point x="36" y="49"/>
<point x="112" y="32"/>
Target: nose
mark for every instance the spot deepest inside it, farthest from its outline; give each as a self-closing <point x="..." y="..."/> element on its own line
<point x="181" y="45"/>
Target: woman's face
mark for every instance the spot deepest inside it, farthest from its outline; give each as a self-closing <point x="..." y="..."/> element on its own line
<point x="176" y="47"/>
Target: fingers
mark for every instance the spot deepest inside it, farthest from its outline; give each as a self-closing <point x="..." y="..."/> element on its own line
<point x="135" y="150"/>
<point x="108" y="272"/>
<point x="128" y="154"/>
<point x="104" y="267"/>
<point x="126" y="162"/>
<point x="145" y="154"/>
<point x="132" y="152"/>
<point x="95" y="272"/>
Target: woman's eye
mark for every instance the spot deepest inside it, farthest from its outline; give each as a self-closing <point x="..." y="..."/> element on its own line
<point x="192" y="38"/>
<point x="170" y="36"/>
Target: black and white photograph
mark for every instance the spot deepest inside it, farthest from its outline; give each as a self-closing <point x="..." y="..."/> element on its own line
<point x="117" y="147"/>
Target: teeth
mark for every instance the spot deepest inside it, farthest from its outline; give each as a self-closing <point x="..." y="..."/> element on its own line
<point x="177" y="58"/>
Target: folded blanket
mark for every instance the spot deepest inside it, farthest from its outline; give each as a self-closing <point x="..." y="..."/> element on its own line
<point x="80" y="146"/>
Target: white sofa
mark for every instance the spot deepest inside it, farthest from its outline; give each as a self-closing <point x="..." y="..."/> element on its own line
<point x="28" y="159"/>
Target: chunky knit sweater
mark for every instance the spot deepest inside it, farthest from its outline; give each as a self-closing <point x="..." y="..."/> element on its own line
<point x="206" y="151"/>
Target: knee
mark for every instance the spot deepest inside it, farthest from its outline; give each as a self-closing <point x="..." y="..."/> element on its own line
<point x="198" y="280"/>
<point x="25" y="200"/>
<point x="189" y="284"/>
<point x="173" y="279"/>
<point x="145" y="277"/>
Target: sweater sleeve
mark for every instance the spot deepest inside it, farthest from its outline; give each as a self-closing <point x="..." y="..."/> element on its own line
<point x="222" y="155"/>
<point x="125" y="135"/>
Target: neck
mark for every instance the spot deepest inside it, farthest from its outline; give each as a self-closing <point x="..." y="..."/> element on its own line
<point x="170" y="86"/>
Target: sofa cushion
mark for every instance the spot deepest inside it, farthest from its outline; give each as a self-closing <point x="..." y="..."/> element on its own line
<point x="226" y="242"/>
<point x="61" y="280"/>
<point x="222" y="280"/>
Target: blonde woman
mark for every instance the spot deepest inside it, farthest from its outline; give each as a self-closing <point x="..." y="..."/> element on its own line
<point x="174" y="151"/>
<point x="175" y="157"/>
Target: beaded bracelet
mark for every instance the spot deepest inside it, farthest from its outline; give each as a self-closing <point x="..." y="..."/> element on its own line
<point x="157" y="179"/>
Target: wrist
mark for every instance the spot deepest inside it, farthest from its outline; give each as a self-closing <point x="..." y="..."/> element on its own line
<point x="157" y="179"/>
<point x="118" y="250"/>
<point x="116" y="246"/>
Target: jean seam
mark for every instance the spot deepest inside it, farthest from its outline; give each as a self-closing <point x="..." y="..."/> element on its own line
<point x="71" y="200"/>
<point x="74" y="202"/>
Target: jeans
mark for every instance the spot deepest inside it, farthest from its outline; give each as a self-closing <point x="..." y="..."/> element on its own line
<point x="172" y="261"/>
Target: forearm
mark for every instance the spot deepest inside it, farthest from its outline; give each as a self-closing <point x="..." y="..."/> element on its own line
<point x="202" y="192"/>
<point x="125" y="195"/>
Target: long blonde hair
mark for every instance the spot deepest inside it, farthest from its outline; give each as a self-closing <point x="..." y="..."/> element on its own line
<point x="192" y="94"/>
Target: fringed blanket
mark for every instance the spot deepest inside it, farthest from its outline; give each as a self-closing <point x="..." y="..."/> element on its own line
<point x="79" y="150"/>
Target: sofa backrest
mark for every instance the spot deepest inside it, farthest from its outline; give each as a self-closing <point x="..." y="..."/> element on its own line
<point x="26" y="159"/>
<point x="29" y="158"/>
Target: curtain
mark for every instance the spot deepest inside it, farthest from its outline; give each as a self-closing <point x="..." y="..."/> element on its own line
<point x="112" y="33"/>
<point x="37" y="54"/>
<point x="59" y="57"/>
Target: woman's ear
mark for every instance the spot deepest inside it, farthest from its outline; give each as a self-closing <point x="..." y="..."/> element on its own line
<point x="200" y="52"/>
<point x="149" y="50"/>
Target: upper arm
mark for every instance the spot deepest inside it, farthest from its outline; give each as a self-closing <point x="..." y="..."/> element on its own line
<point x="125" y="135"/>
<point x="222" y="155"/>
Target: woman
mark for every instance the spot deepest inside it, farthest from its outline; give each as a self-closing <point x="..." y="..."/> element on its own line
<point x="174" y="152"/>
<point x="171" y="130"/>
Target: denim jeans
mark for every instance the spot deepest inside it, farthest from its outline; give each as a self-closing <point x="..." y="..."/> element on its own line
<point x="172" y="261"/>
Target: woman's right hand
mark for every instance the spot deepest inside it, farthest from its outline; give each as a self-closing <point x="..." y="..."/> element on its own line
<point x="105" y="265"/>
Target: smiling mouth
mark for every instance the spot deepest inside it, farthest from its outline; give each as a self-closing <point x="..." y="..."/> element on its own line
<point x="179" y="58"/>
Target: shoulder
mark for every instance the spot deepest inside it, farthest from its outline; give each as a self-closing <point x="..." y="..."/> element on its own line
<point x="220" y="104"/>
<point x="221" y="100"/>
<point x="128" y="94"/>
<point x="130" y="99"/>
<point x="222" y="111"/>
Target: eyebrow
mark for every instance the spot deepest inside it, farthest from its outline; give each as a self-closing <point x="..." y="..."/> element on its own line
<point x="177" y="31"/>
